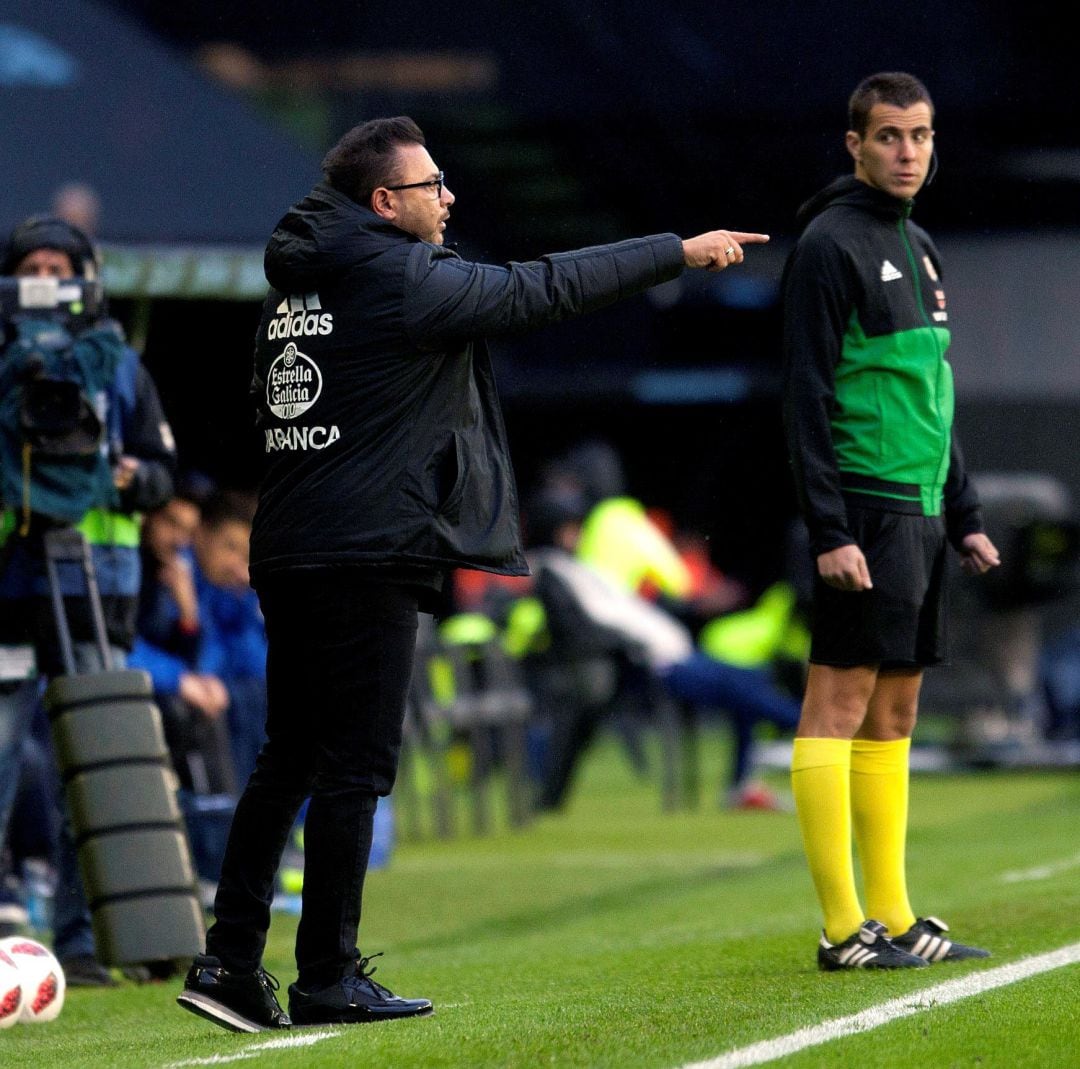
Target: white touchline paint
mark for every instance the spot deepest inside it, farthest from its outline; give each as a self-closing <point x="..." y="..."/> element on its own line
<point x="1040" y="872"/>
<point x="951" y="991"/>
<point x="253" y="1051"/>
<point x="607" y="859"/>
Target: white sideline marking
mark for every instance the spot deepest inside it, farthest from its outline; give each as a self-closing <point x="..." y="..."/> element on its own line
<point x="951" y="991"/>
<point x="1040" y="872"/>
<point x="680" y="860"/>
<point x="256" y="1049"/>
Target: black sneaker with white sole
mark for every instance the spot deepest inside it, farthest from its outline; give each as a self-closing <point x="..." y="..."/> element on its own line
<point x="868" y="948"/>
<point x="355" y="999"/>
<point x="926" y="938"/>
<point x="240" y="1002"/>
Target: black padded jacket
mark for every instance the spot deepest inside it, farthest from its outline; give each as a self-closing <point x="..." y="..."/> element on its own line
<point x="376" y="402"/>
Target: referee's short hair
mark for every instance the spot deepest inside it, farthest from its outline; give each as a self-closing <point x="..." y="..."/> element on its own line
<point x="897" y="88"/>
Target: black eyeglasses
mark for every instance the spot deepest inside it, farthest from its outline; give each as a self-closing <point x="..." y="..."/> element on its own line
<point x="437" y="182"/>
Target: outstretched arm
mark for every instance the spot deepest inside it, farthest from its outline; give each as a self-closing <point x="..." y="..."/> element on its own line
<point x="448" y="299"/>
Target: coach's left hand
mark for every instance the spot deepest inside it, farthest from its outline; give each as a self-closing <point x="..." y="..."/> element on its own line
<point x="978" y="554"/>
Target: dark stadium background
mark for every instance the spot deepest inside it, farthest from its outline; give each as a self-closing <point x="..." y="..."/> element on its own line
<point x="565" y="123"/>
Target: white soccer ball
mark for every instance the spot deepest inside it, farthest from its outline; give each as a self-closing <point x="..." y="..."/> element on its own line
<point x="43" y="983"/>
<point x="11" y="996"/>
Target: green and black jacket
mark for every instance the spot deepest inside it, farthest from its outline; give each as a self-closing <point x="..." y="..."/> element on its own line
<point x="868" y="393"/>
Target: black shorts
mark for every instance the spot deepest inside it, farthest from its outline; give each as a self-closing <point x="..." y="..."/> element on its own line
<point x="901" y="621"/>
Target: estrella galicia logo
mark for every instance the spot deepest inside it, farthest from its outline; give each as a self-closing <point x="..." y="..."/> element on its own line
<point x="293" y="383"/>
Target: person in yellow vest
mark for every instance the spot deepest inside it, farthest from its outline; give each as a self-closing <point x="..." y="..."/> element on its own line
<point x="587" y="607"/>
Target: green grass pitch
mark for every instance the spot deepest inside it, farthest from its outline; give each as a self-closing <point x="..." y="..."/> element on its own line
<point x="615" y="935"/>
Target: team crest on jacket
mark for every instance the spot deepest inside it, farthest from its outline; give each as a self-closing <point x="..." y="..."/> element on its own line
<point x="293" y="383"/>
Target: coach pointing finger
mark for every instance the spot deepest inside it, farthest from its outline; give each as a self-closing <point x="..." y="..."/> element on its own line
<point x="386" y="467"/>
<point x="719" y="248"/>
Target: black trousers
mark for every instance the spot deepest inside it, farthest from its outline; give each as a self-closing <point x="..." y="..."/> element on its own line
<point x="340" y="656"/>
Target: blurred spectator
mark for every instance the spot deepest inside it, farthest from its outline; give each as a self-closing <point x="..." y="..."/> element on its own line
<point x="233" y="646"/>
<point x="192" y="702"/>
<point x="616" y="536"/>
<point x="639" y="549"/>
<point x="202" y="640"/>
<point x="77" y="203"/>
<point x="612" y="533"/>
<point x="587" y="615"/>
<point x="201" y="635"/>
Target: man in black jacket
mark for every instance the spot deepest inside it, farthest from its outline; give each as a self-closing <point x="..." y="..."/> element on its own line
<point x="868" y="410"/>
<point x="387" y="466"/>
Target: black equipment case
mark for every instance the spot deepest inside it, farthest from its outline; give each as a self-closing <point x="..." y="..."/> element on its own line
<point x="121" y="792"/>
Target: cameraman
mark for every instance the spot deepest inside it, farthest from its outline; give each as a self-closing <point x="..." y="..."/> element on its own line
<point x="141" y="453"/>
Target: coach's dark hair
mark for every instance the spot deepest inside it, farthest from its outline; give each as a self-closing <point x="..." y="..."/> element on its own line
<point x="366" y="157"/>
<point x="889" y="87"/>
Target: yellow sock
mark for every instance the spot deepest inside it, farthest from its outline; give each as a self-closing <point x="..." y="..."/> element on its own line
<point x="821" y="783"/>
<point x="879" y="812"/>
